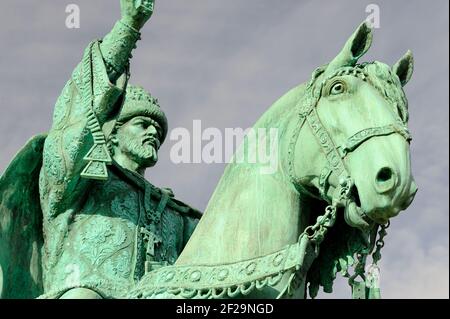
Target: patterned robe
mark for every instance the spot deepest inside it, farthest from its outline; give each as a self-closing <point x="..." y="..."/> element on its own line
<point x="101" y="235"/>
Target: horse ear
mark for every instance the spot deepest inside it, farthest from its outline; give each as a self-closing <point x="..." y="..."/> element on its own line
<point x="404" y="68"/>
<point x="357" y="45"/>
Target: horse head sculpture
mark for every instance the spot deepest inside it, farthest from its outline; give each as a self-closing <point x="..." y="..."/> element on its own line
<point x="342" y="170"/>
<point x="364" y="110"/>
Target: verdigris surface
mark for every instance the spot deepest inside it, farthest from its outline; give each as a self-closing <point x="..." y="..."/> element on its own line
<point x="71" y="226"/>
<point x="343" y="172"/>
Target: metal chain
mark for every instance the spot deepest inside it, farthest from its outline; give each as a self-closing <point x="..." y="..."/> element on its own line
<point x="360" y="266"/>
<point x="376" y="256"/>
<point x="316" y="233"/>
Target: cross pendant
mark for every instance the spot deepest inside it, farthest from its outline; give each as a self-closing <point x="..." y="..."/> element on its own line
<point x="152" y="241"/>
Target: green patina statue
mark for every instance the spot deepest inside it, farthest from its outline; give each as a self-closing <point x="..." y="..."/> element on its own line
<point x="103" y="226"/>
<point x="343" y="171"/>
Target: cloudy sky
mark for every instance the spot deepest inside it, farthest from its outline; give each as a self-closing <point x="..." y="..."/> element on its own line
<point x="225" y="63"/>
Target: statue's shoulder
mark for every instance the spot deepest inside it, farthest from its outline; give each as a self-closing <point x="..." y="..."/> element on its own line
<point x="161" y="197"/>
<point x="177" y="205"/>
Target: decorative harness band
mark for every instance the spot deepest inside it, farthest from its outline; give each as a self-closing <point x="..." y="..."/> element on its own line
<point x="225" y="280"/>
<point x="362" y="136"/>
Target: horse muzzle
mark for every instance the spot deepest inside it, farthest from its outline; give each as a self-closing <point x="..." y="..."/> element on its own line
<point x="385" y="206"/>
<point x="391" y="200"/>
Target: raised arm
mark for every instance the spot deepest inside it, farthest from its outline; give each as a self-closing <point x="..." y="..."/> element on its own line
<point x="93" y="94"/>
<point x="118" y="44"/>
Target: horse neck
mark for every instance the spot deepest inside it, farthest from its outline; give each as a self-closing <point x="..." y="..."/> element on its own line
<point x="251" y="213"/>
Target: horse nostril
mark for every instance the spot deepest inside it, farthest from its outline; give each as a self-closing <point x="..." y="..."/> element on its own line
<point x="385" y="174"/>
<point x="385" y="179"/>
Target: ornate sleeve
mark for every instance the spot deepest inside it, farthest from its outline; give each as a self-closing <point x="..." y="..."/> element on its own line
<point x="87" y="101"/>
<point x="88" y="104"/>
<point x="116" y="48"/>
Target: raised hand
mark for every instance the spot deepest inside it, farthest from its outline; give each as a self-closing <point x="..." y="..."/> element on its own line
<point x="136" y="13"/>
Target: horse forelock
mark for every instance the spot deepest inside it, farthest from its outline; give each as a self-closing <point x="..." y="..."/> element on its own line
<point x="379" y="75"/>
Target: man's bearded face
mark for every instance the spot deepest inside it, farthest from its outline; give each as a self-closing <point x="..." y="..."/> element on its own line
<point x="139" y="140"/>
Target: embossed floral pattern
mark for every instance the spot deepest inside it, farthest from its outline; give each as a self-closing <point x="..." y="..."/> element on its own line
<point x="100" y="239"/>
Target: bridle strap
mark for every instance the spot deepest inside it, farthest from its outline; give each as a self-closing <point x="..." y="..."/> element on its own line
<point x="308" y="114"/>
<point x="336" y="163"/>
<point x="336" y="155"/>
<point x="362" y="136"/>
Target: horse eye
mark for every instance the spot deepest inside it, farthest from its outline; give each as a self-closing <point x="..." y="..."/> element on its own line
<point x="337" y="88"/>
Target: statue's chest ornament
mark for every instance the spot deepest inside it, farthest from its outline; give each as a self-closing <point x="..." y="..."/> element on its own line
<point x="151" y="228"/>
